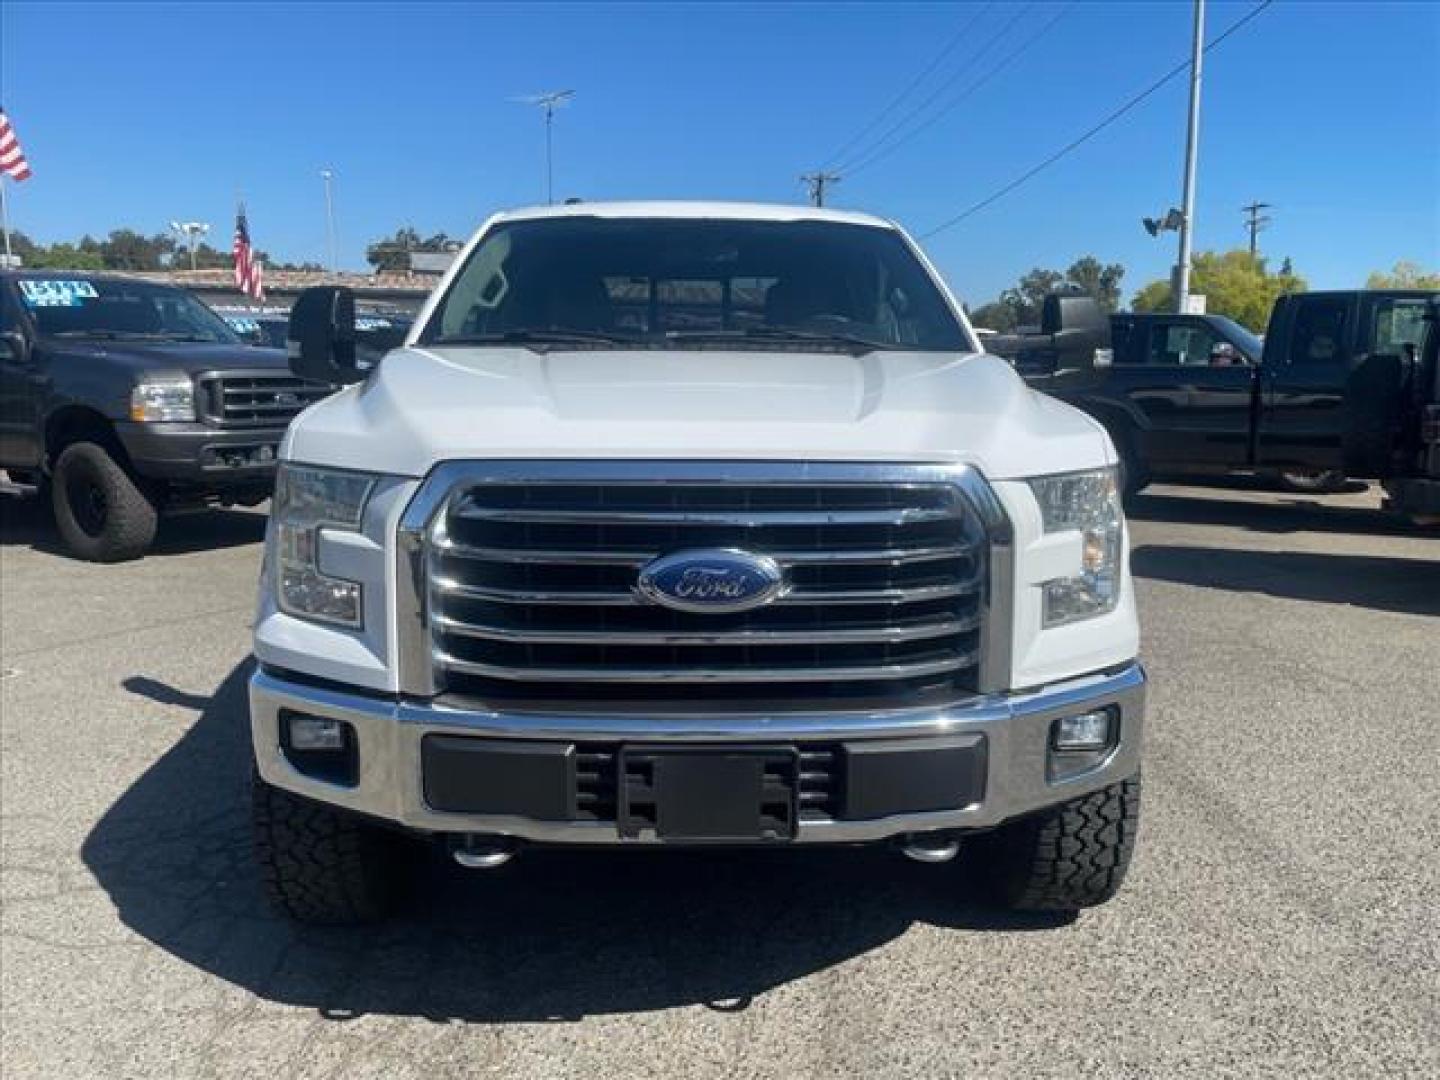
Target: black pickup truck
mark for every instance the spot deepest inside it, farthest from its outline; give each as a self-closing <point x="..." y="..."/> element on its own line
<point x="128" y="398"/>
<point x="1332" y="391"/>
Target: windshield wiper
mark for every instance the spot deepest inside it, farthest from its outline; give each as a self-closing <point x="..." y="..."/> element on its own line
<point x="539" y="336"/>
<point x="849" y="342"/>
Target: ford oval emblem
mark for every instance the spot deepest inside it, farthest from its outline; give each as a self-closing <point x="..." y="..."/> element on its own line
<point x="718" y="580"/>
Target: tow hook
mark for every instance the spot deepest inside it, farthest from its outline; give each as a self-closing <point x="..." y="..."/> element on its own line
<point x="476" y="852"/>
<point x="930" y="847"/>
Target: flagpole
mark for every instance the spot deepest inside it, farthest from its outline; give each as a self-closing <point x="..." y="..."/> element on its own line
<point x="5" y="222"/>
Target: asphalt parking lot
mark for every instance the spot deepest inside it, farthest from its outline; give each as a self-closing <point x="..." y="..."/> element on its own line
<point x="1280" y="920"/>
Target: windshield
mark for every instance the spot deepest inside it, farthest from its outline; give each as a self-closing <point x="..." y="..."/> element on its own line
<point x="583" y="282"/>
<point x="100" y="308"/>
<point x="1249" y="344"/>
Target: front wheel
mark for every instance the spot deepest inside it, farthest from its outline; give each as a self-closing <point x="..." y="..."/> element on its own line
<point x="320" y="865"/>
<point x="1071" y="856"/>
<point x="102" y="514"/>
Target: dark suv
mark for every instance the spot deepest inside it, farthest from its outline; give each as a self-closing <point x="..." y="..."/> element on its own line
<point x="127" y="398"/>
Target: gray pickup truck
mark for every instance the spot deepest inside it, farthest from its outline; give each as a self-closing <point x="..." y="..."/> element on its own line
<point x="127" y="398"/>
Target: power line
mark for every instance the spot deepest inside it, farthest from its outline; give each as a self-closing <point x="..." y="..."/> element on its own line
<point x="1255" y="221"/>
<point x="1092" y="132"/>
<point x="863" y="158"/>
<point x="948" y="48"/>
<point x="877" y="153"/>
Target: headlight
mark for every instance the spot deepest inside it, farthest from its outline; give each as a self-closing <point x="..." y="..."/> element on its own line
<point x="1087" y="503"/>
<point x="163" y="397"/>
<point x="308" y="501"/>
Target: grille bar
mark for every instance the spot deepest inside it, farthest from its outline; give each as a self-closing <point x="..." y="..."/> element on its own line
<point x="964" y="587"/>
<point x="792" y="674"/>
<point x="747" y="518"/>
<point x="867" y="635"/>
<point x="876" y="556"/>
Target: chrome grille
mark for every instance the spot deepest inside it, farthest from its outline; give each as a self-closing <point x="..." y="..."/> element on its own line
<point x="529" y="589"/>
<point x="257" y="399"/>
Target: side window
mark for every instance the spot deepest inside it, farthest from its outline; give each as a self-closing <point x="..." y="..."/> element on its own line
<point x="1318" y="336"/>
<point x="1398" y="323"/>
<point x="1182" y="344"/>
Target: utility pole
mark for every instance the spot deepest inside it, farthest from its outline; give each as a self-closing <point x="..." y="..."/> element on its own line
<point x="1256" y="221"/>
<point x="1192" y="140"/>
<point x="548" y="102"/>
<point x="818" y="182"/>
<point x="328" y="176"/>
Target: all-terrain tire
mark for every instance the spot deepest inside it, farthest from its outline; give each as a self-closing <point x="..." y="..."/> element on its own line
<point x="1072" y="856"/>
<point x="101" y="513"/>
<point x="320" y="865"/>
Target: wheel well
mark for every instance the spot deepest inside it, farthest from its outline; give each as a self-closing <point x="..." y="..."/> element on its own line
<point x="76" y="423"/>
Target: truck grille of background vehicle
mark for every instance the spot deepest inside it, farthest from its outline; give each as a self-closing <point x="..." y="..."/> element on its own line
<point x="531" y="594"/>
<point x="257" y="400"/>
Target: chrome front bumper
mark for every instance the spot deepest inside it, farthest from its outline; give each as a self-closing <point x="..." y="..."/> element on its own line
<point x="389" y="733"/>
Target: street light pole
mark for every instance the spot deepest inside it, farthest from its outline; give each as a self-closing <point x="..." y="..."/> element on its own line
<point x="328" y="176"/>
<point x="191" y="231"/>
<point x="1192" y="140"/>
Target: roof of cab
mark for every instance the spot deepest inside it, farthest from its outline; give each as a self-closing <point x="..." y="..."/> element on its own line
<point x="728" y="211"/>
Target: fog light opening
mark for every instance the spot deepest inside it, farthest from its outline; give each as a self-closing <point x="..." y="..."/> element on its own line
<point x="1085" y="732"/>
<point x="320" y="747"/>
<point x="308" y="733"/>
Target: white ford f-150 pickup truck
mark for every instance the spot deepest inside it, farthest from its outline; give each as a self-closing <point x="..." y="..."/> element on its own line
<point x="690" y="524"/>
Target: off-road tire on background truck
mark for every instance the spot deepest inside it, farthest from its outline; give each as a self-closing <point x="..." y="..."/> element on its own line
<point x="102" y="513"/>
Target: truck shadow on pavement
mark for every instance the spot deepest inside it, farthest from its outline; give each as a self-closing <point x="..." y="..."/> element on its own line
<point x="1408" y="586"/>
<point x="29" y="522"/>
<point x="553" y="936"/>
<point x="1279" y="514"/>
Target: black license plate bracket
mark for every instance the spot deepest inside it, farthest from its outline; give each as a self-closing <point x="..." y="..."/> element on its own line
<point x="709" y="795"/>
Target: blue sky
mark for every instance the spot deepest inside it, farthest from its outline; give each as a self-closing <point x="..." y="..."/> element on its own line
<point x="136" y="114"/>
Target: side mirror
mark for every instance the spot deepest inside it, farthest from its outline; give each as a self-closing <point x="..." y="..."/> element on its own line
<point x="12" y="347"/>
<point x="1078" y="328"/>
<point x="321" y="338"/>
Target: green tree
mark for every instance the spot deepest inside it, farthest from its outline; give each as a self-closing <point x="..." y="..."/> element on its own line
<point x="391" y="255"/>
<point x="126" y="249"/>
<point x="993" y="316"/>
<point x="1020" y="305"/>
<point x="1096" y="279"/>
<point x="1025" y="298"/>
<point x="1234" y="283"/>
<point x="1404" y="275"/>
<point x="63" y="257"/>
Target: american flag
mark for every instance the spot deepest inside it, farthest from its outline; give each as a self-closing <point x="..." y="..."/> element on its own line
<point x="249" y="271"/>
<point x="12" y="158"/>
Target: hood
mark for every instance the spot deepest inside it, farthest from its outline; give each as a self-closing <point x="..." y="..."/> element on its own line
<point x="422" y="406"/>
<point x="191" y="357"/>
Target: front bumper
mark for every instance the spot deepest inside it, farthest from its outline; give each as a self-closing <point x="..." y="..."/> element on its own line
<point x="200" y="454"/>
<point x="1015" y="728"/>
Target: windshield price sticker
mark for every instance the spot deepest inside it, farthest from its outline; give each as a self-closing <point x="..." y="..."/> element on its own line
<point x="56" y="293"/>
